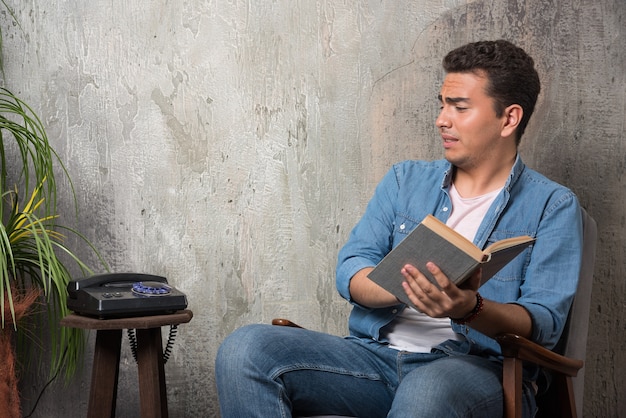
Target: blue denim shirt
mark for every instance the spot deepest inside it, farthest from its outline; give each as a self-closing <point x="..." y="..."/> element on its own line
<point x="542" y="279"/>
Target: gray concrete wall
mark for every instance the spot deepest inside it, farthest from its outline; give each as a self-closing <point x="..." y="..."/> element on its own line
<point x="232" y="145"/>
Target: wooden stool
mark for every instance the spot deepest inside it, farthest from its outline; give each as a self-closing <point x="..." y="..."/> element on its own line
<point x="106" y="361"/>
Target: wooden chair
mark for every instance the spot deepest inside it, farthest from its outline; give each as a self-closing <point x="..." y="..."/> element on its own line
<point x="564" y="397"/>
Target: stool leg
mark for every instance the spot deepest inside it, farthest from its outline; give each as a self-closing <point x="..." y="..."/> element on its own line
<point x="104" y="374"/>
<point x="152" y="390"/>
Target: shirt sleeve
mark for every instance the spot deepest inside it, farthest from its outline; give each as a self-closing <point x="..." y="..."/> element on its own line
<point x="371" y="238"/>
<point x="551" y="279"/>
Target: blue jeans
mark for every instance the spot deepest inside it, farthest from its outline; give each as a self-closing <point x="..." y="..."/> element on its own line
<point x="272" y="371"/>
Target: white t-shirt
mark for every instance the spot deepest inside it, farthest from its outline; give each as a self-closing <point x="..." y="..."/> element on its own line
<point x="414" y="331"/>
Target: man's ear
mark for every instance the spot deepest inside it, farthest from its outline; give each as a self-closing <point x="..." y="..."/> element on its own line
<point x="512" y="117"/>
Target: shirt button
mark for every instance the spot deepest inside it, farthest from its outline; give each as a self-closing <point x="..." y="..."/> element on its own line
<point x="402" y="227"/>
<point x="445" y="209"/>
<point x="394" y="311"/>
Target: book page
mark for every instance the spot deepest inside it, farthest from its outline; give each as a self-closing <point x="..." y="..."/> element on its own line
<point x="506" y="243"/>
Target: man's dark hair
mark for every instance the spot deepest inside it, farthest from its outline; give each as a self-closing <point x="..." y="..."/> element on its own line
<point x="510" y="71"/>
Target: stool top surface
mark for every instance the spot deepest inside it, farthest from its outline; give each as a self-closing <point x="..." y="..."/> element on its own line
<point x="136" y="322"/>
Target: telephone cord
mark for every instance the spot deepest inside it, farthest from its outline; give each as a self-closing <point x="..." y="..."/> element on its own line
<point x="132" y="339"/>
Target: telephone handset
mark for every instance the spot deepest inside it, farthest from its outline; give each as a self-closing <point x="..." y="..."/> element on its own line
<point x="113" y="295"/>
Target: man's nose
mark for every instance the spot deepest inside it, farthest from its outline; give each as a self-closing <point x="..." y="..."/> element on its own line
<point x="442" y="120"/>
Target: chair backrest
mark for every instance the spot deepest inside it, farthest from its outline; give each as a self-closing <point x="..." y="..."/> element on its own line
<point x="577" y="326"/>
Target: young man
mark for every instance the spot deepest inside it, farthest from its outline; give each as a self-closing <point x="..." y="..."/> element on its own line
<point x="440" y="360"/>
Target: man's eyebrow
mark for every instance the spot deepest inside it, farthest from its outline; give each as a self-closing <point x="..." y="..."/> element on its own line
<point x="453" y="100"/>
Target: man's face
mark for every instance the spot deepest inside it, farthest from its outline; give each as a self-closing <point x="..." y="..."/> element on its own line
<point x="467" y="122"/>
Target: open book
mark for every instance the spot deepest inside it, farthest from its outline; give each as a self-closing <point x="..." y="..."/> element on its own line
<point x="455" y="255"/>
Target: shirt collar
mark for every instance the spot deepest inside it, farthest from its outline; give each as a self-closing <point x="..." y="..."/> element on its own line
<point x="516" y="172"/>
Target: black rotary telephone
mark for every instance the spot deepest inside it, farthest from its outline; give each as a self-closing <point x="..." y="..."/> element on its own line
<point x="115" y="295"/>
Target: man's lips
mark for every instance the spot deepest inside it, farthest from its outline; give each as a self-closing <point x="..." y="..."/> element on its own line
<point x="448" y="140"/>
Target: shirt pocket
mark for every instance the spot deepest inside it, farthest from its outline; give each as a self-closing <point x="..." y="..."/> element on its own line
<point x="403" y="225"/>
<point x="515" y="270"/>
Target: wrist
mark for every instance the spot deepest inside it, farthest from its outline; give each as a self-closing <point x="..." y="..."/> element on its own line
<point x="473" y="314"/>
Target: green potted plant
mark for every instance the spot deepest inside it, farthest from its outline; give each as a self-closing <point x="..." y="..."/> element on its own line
<point x="34" y="259"/>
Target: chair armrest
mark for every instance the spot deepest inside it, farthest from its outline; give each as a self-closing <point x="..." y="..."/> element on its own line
<point x="285" y="323"/>
<point x="519" y="347"/>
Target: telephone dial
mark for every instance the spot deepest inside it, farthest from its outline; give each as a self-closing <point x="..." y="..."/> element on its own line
<point x="114" y="295"/>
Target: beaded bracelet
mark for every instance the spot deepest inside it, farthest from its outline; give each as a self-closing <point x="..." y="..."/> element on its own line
<point x="473" y="314"/>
